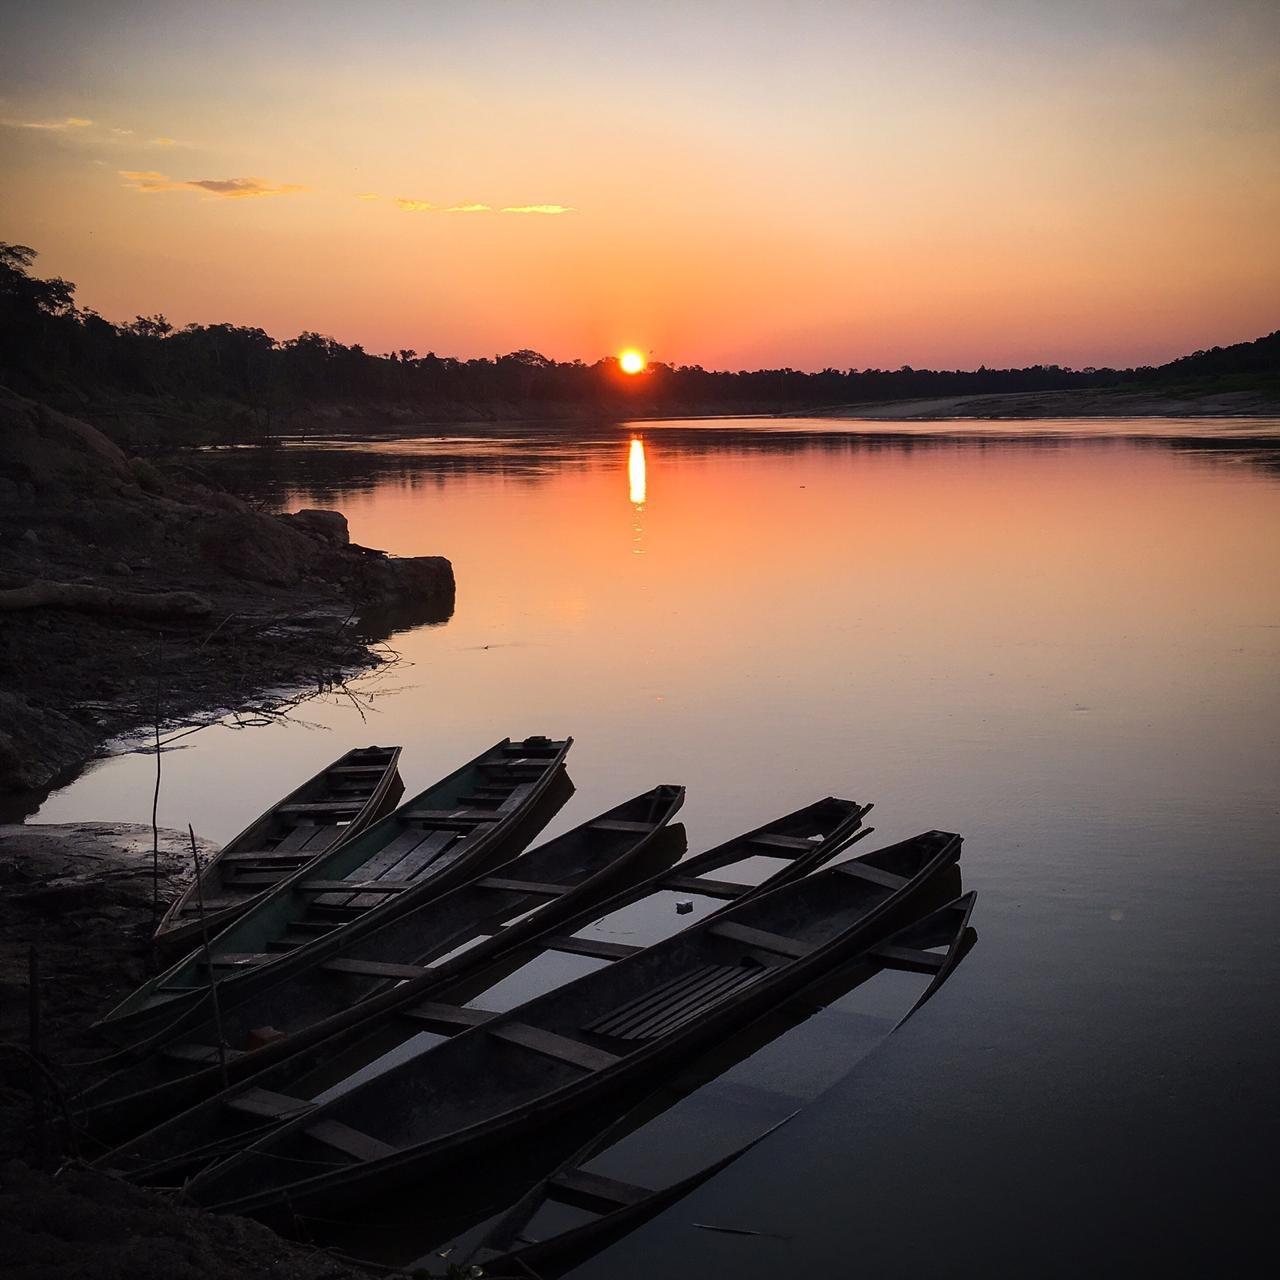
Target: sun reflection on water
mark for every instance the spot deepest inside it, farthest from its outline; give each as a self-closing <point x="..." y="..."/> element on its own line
<point x="636" y="477"/>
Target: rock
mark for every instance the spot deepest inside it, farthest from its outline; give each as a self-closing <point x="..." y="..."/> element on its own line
<point x="255" y="547"/>
<point x="119" y="567"/>
<point x="330" y="526"/>
<point x="31" y="536"/>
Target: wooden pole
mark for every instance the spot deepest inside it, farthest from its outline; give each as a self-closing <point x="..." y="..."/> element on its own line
<point x="208" y="962"/>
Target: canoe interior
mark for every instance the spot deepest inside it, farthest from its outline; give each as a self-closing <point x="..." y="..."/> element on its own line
<point x="562" y="1048"/>
<point x="542" y="884"/>
<point x="546" y="960"/>
<point x="427" y="845"/>
<point x="356" y="789"/>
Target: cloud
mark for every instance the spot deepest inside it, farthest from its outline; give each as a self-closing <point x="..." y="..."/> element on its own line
<point x="50" y="126"/>
<point x="414" y="206"/>
<point x="224" y="188"/>
<point x="469" y="208"/>
<point x="367" y="195"/>
<point x="159" y="142"/>
<point x="539" y="208"/>
<point x="243" y="188"/>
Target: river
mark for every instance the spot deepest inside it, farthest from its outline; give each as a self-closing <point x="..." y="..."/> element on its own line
<point x="1059" y="640"/>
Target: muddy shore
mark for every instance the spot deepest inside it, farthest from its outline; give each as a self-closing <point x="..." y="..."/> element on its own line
<point x="82" y="896"/>
<point x="132" y="591"/>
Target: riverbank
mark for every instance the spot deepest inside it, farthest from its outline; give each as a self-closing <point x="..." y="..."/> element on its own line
<point x="135" y="592"/>
<point x="82" y="894"/>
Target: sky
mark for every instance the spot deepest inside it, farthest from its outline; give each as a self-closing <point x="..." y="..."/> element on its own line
<point x="863" y="184"/>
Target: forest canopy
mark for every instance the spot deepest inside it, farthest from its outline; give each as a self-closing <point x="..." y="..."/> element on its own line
<point x="49" y="345"/>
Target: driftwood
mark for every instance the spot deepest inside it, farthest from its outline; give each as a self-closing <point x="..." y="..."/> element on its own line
<point x="88" y="599"/>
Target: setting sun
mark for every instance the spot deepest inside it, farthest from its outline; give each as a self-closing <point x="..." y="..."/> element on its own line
<point x="632" y="361"/>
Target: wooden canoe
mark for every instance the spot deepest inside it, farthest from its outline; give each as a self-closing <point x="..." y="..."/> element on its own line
<point x="732" y="872"/>
<point x="361" y="786"/>
<point x="506" y="1073"/>
<point x="464" y="928"/>
<point x="932" y="945"/>
<point x="440" y="838"/>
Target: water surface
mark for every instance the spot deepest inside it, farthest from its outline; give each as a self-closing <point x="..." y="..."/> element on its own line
<point x="1059" y="642"/>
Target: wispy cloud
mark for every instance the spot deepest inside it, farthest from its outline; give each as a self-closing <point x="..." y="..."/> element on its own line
<point x="367" y="195"/>
<point x="414" y="206"/>
<point x="160" y="142"/>
<point x="469" y="208"/>
<point x="65" y="125"/>
<point x="225" y="188"/>
<point x="425" y="206"/>
<point x="539" y="208"/>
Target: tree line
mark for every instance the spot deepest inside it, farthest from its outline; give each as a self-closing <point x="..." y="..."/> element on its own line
<point x="49" y="344"/>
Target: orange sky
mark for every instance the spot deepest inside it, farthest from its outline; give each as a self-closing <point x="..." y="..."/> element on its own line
<point x="868" y="184"/>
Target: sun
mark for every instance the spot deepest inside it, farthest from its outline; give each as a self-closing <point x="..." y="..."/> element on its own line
<point x="632" y="361"/>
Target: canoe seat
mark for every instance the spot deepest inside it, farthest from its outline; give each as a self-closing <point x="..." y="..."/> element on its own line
<point x="374" y="968"/>
<point x="447" y="817"/>
<point x="450" y="1017"/>
<point x="610" y="824"/>
<point x="597" y="947"/>
<point x="363" y="1146"/>
<point x="236" y="959"/>
<point x="591" y="1191"/>
<point x="268" y="855"/>
<point x="358" y="770"/>
<point x="551" y="1045"/>
<point x="321" y="806"/>
<point x="861" y="871"/>
<point x="671" y="1004"/>
<point x="791" y="844"/>
<point x="909" y="959"/>
<point x="271" y="1106"/>
<point x="523" y="886"/>
<point x="762" y="939"/>
<point x="702" y="884"/>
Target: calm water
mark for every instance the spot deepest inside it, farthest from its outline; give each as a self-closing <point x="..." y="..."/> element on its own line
<point x="1063" y="646"/>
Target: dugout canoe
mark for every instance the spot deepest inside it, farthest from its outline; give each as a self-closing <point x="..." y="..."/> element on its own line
<point x="440" y="838"/>
<point x="504" y="1074"/>
<point x="775" y="853"/>
<point x="359" y="787"/>
<point x="457" y="931"/>
<point x="611" y="1207"/>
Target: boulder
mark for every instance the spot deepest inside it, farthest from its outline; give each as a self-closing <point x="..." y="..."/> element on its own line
<point x="327" y="526"/>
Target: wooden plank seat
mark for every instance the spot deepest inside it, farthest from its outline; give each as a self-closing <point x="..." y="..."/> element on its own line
<point x="611" y="824"/>
<point x="523" y="886"/>
<point x="374" y="771"/>
<point x="442" y="816"/>
<point x="374" y="968"/>
<point x="762" y="939"/>
<point x="597" y="947"/>
<point x="351" y="1142"/>
<point x="663" y="1008"/>
<point x="262" y="856"/>
<point x="451" y="1017"/>
<point x="910" y="959"/>
<point x="791" y="844"/>
<point x="268" y="1105"/>
<point x="593" y="1191"/>
<point x="236" y="959"/>
<point x="551" y="1045"/>
<point x="872" y="875"/>
<point x="703" y="884"/>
